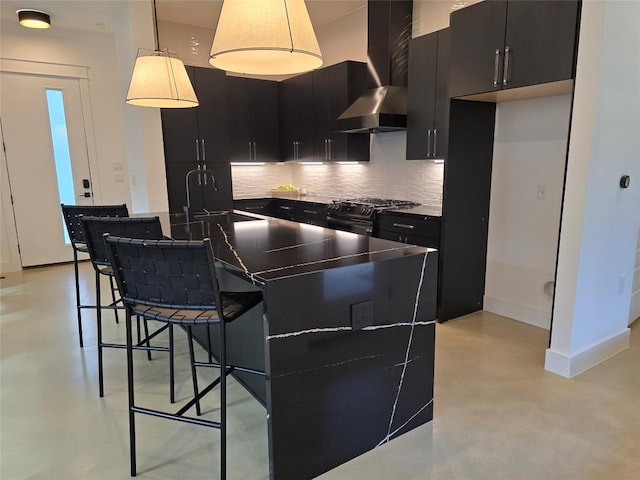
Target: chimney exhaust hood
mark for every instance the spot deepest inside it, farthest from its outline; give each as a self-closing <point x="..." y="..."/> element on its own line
<point x="383" y="108"/>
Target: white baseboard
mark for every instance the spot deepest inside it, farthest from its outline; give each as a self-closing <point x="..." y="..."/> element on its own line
<point x="570" y="366"/>
<point x="517" y="311"/>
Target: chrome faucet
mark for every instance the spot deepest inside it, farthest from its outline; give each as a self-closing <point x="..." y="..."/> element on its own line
<point x="202" y="180"/>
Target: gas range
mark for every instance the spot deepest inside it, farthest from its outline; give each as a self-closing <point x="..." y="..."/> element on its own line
<point x="357" y="214"/>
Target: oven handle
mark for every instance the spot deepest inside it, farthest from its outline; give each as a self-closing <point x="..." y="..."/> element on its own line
<point x="355" y="226"/>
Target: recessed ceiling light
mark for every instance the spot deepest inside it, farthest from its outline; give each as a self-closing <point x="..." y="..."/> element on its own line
<point x="34" y="18"/>
<point x="459" y="4"/>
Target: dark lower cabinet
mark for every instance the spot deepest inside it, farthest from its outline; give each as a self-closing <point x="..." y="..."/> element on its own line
<point x="465" y="209"/>
<point x="428" y="103"/>
<point x="261" y="206"/>
<point x="502" y="44"/>
<point x="301" y="211"/>
<point x="407" y="228"/>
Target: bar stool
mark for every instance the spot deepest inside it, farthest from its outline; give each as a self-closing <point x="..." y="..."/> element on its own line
<point x="94" y="229"/>
<point x="72" y="214"/>
<point x="176" y="282"/>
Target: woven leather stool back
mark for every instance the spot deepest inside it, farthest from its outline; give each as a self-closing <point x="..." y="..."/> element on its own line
<point x="166" y="273"/>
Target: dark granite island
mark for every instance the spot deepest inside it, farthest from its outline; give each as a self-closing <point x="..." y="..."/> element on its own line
<point x="346" y="335"/>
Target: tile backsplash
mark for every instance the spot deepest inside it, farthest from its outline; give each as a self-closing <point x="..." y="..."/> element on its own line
<point x="387" y="175"/>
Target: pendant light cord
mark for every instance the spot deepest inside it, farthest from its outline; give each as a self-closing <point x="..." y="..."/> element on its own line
<point x="155" y="23"/>
<point x="286" y="12"/>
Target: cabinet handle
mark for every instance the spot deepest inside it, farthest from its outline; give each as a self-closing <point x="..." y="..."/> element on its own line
<point x="197" y="151"/>
<point x="435" y="142"/>
<point x="314" y="212"/>
<point x="199" y="177"/>
<point x="250" y="152"/>
<point x="204" y="175"/>
<point x="255" y="152"/>
<point x="283" y="207"/>
<point x="295" y="150"/>
<point x="326" y="149"/>
<point x="428" y="143"/>
<point x="252" y="208"/>
<point x="404" y="225"/>
<point x="507" y="57"/>
<point x="204" y="153"/>
<point x="332" y="154"/>
<point x="496" y="66"/>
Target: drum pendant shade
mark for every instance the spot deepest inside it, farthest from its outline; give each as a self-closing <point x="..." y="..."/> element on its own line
<point x="265" y="37"/>
<point x="160" y="81"/>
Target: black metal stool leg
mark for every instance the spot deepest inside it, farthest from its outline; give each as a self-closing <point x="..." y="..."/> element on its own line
<point x="113" y="299"/>
<point x="132" y="420"/>
<point x="78" y="309"/>
<point x="172" y="389"/>
<point x="209" y="345"/>
<point x="99" y="334"/>
<point x="194" y="377"/>
<point x="146" y="335"/>
<point x="223" y="400"/>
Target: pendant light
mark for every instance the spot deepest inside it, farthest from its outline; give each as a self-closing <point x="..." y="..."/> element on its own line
<point x="160" y="80"/>
<point x="265" y="37"/>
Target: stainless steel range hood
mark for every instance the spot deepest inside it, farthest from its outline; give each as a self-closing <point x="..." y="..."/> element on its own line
<point x="383" y="108"/>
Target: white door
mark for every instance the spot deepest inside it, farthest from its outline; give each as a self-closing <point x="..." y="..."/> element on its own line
<point x="46" y="154"/>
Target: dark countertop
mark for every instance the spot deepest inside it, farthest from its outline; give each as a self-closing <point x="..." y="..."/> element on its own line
<point x="420" y="210"/>
<point x="267" y="248"/>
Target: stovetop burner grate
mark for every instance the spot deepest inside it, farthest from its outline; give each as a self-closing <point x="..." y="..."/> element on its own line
<point x="378" y="202"/>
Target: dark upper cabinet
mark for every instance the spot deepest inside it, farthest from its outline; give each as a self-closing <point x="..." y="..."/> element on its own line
<point x="334" y="89"/>
<point x="500" y="44"/>
<point x="253" y="120"/>
<point x="199" y="134"/>
<point x="428" y="104"/>
<point x="195" y="139"/>
<point x="296" y="117"/>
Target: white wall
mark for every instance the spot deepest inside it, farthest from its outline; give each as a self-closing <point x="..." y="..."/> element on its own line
<point x="529" y="151"/>
<point x="387" y="175"/>
<point x="97" y="52"/>
<point x="634" y="309"/>
<point x="600" y="220"/>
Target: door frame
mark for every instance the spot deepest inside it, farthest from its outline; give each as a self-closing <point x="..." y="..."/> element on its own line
<point x="80" y="73"/>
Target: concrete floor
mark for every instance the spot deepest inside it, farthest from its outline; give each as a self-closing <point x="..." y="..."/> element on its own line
<point x="498" y="414"/>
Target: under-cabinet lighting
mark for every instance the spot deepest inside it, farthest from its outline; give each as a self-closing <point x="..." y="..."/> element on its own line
<point x="247" y="164"/>
<point x="438" y="160"/>
<point x="348" y="163"/>
<point x="310" y="163"/>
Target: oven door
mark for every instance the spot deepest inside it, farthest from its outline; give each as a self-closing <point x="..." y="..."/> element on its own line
<point x="361" y="227"/>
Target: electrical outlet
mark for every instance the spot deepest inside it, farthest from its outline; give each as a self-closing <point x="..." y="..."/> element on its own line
<point x="118" y="177"/>
<point x="621" y="284"/>
<point x="542" y="192"/>
<point x="118" y="166"/>
<point x="361" y="315"/>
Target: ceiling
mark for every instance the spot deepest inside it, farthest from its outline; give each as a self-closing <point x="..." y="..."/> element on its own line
<point x="100" y="15"/>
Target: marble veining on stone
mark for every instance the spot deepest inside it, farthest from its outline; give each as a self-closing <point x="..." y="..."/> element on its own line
<point x="347" y="329"/>
<point x="235" y="254"/>
<point x="298" y="245"/>
<point x="406" y="357"/>
<point x="297" y="372"/>
<point x="332" y="259"/>
<point x="391" y="434"/>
